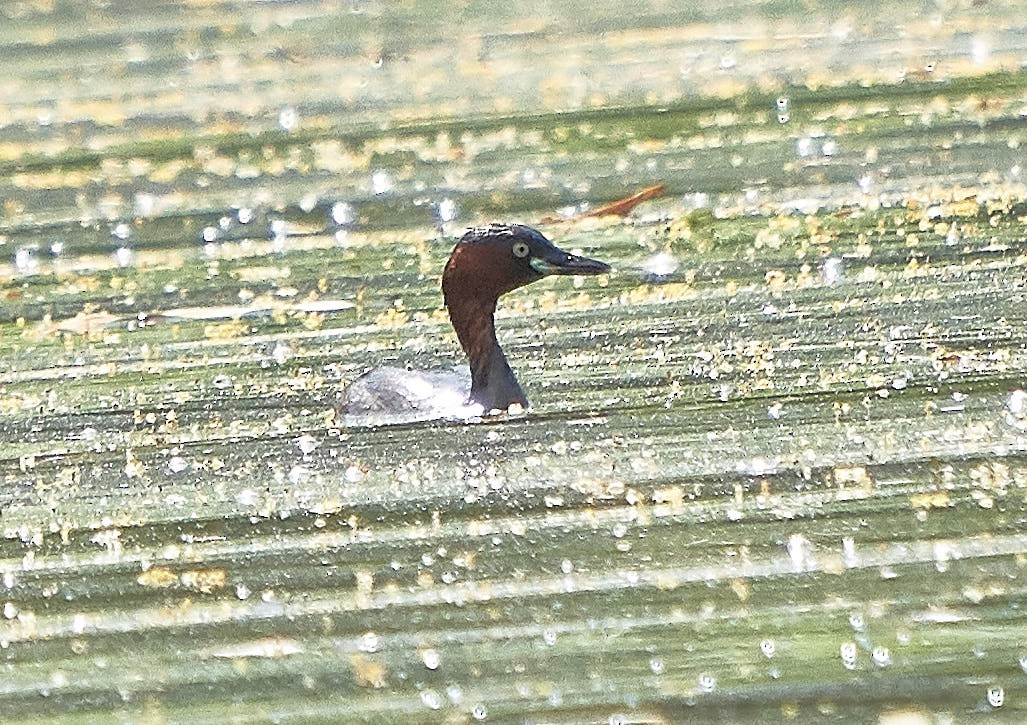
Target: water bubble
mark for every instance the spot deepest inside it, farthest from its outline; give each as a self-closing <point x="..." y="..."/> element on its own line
<point x="177" y="464"/>
<point x="1016" y="409"/>
<point x="342" y="213"/>
<point x="804" y="147"/>
<point x="707" y="683"/>
<point x="242" y="592"/>
<point x="566" y="566"/>
<point x="800" y="551"/>
<point x="447" y="210"/>
<point x="848" y="653"/>
<point x="431" y="658"/>
<point x="768" y="648"/>
<point x="660" y="265"/>
<point x="308" y="203"/>
<point x="431" y="699"/>
<point x="980" y="49"/>
<point x="549" y="636"/>
<point x="381" y="183"/>
<point x="56" y="249"/>
<point x="656" y="665"/>
<point x="26" y="260"/>
<point x="857" y="622"/>
<point x="881" y="656"/>
<point x="1023" y="663"/>
<point x="369" y="642"/>
<point x="122" y="230"/>
<point x="782" y="104"/>
<point x="277" y="228"/>
<point x="829" y="147"/>
<point x="479" y="712"/>
<point x="10" y="610"/>
<point x="832" y="271"/>
<point x="244" y="215"/>
<point x="209" y="234"/>
<point x="996" y="696"/>
<point x="125" y="256"/>
<point x="288" y="119"/>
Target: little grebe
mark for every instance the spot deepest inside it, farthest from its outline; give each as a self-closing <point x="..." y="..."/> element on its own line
<point x="487" y="262"/>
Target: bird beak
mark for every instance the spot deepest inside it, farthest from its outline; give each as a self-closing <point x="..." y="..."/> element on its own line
<point x="563" y="263"/>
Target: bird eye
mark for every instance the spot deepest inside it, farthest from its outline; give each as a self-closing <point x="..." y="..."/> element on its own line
<point x="521" y="250"/>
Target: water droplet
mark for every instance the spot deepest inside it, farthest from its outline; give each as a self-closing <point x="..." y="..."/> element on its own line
<point x="209" y="234"/>
<point x="242" y="591"/>
<point x="368" y="642"/>
<point x="447" y="210"/>
<point x="660" y="265"/>
<point x="1016" y="409"/>
<point x="566" y="566"/>
<point x="881" y="656"/>
<point x="431" y="658"/>
<point x="478" y="712"/>
<point x="549" y="636"/>
<point x="707" y="683"/>
<point x="288" y="119"/>
<point x="848" y="653"/>
<point x="342" y="213"/>
<point x="26" y="260"/>
<point x="125" y="256"/>
<point x="122" y="231"/>
<point x="431" y="699"/>
<point x="381" y="183"/>
<point x="857" y="622"/>
<point x="996" y="696"/>
<point x="656" y="665"/>
<point x="829" y="147"/>
<point x="800" y="551"/>
<point x="308" y="203"/>
<point x="10" y="610"/>
<point x="177" y="464"/>
<point x="832" y="271"/>
<point x="768" y="648"/>
<point x="307" y="444"/>
<point x="244" y="215"/>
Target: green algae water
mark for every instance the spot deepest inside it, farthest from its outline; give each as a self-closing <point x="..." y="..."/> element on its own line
<point x="775" y="466"/>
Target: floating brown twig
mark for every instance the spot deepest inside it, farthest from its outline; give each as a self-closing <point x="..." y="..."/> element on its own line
<point x="620" y="207"/>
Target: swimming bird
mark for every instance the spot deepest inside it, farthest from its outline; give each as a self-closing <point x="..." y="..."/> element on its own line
<point x="486" y="263"/>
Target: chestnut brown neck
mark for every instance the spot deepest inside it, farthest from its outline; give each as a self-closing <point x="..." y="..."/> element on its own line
<point x="493" y="384"/>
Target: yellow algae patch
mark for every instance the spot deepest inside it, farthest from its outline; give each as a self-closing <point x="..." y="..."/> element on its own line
<point x="930" y="500"/>
<point x="204" y="580"/>
<point x="158" y="577"/>
<point x="392" y="317"/>
<point x="201" y="580"/>
<point x="368" y="673"/>
<point x="225" y="331"/>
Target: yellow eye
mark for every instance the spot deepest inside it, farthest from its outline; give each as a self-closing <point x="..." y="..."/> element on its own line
<point x="521" y="250"/>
